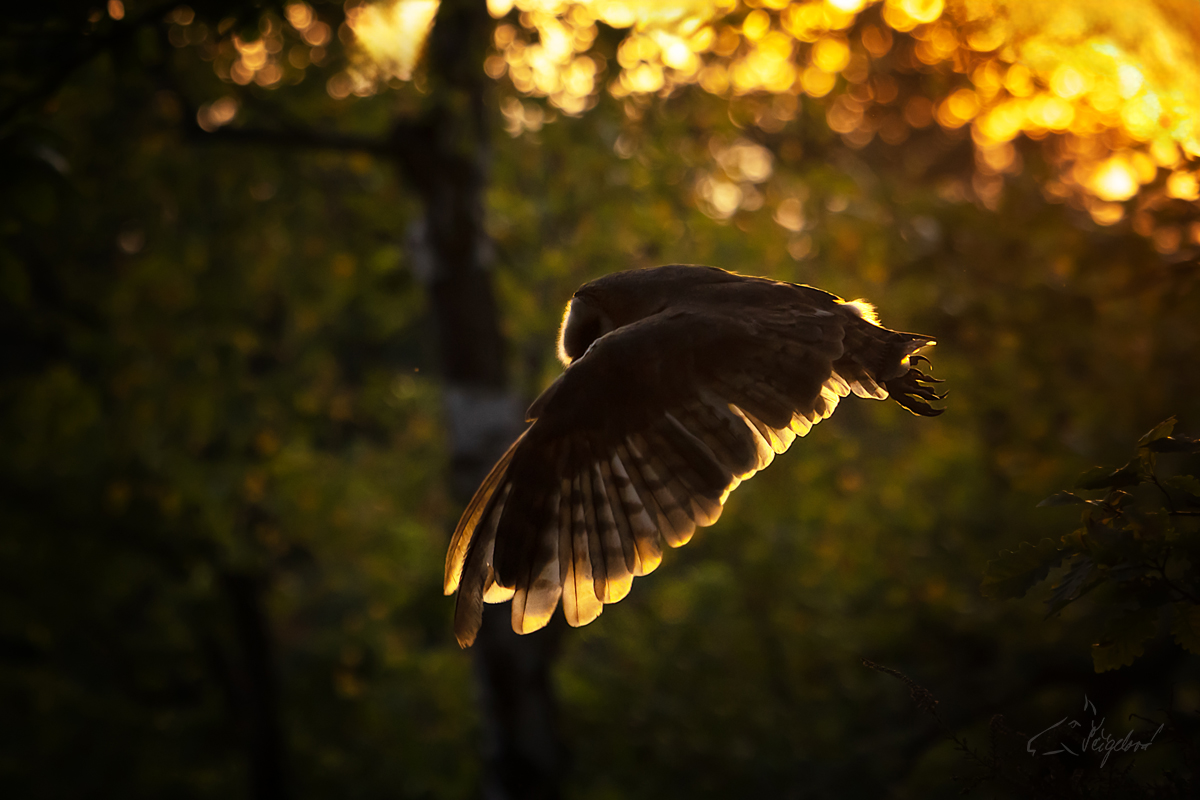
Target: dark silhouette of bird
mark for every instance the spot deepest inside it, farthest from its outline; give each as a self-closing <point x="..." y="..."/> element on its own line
<point x="680" y="383"/>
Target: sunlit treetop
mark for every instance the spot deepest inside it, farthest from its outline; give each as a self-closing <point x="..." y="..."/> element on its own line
<point x="391" y="34"/>
<point x="1117" y="81"/>
<point x="1112" y="87"/>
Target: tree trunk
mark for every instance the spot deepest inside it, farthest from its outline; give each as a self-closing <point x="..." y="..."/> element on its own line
<point x="445" y="158"/>
<point x="259" y="688"/>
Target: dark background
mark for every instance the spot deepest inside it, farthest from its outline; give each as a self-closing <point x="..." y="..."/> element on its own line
<point x="226" y="482"/>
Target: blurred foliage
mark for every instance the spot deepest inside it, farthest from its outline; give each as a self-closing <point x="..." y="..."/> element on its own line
<point x="1141" y="541"/>
<point x="218" y="367"/>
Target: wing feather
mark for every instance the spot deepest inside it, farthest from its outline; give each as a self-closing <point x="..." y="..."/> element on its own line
<point x="477" y="578"/>
<point x="583" y="606"/>
<point x="595" y="549"/>
<point x="648" y="489"/>
<point x="694" y="468"/>
<point x="674" y="520"/>
<point x="725" y="433"/>
<point x="617" y="576"/>
<point x="465" y="530"/>
<point x="647" y="538"/>
<point x="616" y="507"/>
<point x="536" y="597"/>
<point x="566" y="545"/>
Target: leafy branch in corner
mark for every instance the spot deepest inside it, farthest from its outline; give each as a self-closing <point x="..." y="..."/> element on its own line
<point x="996" y="767"/>
<point x="1139" y="543"/>
<point x="1006" y="764"/>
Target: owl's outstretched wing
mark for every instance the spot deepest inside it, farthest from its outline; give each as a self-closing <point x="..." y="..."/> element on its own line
<point x="642" y="439"/>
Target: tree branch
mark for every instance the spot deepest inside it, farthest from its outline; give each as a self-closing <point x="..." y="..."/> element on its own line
<point x="54" y="81"/>
<point x="310" y="139"/>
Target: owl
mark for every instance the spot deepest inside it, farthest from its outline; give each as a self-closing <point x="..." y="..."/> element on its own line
<point x="680" y="383"/>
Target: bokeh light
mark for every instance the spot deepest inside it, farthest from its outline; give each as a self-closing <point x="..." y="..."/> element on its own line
<point x="1111" y="89"/>
<point x="392" y="33"/>
<point x="1117" y="81"/>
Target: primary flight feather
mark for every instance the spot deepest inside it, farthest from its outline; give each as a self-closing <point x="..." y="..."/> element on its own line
<point x="680" y="383"/>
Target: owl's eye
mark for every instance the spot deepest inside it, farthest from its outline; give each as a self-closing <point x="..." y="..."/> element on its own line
<point x="582" y="324"/>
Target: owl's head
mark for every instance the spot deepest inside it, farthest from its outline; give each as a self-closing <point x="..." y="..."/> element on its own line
<point x="622" y="298"/>
<point x="583" y="323"/>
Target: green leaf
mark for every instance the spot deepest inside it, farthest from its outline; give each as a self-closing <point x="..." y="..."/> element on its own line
<point x="1062" y="499"/>
<point x="1095" y="473"/>
<point x="1117" y="498"/>
<point x="1073" y="542"/>
<point x="1101" y="541"/>
<point x="1160" y="431"/>
<point x="1186" y="627"/>
<point x="1103" y="478"/>
<point x="1126" y="571"/>
<point x="1071" y="587"/>
<point x="1184" y="483"/>
<point x="1147" y="526"/>
<point x="1012" y="574"/>
<point x="1125" y="639"/>
<point x="1175" y="444"/>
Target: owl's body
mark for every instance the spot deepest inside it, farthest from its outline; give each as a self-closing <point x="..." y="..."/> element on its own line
<point x="681" y="382"/>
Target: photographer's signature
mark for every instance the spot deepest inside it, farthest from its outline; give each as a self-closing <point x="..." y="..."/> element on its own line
<point x="1097" y="739"/>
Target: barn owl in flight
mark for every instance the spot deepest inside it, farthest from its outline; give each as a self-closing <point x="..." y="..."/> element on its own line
<point x="680" y="383"/>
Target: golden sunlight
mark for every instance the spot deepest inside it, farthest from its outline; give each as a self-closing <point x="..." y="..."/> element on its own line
<point x="392" y="33"/>
<point x="1117" y="82"/>
<point x="1078" y="66"/>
